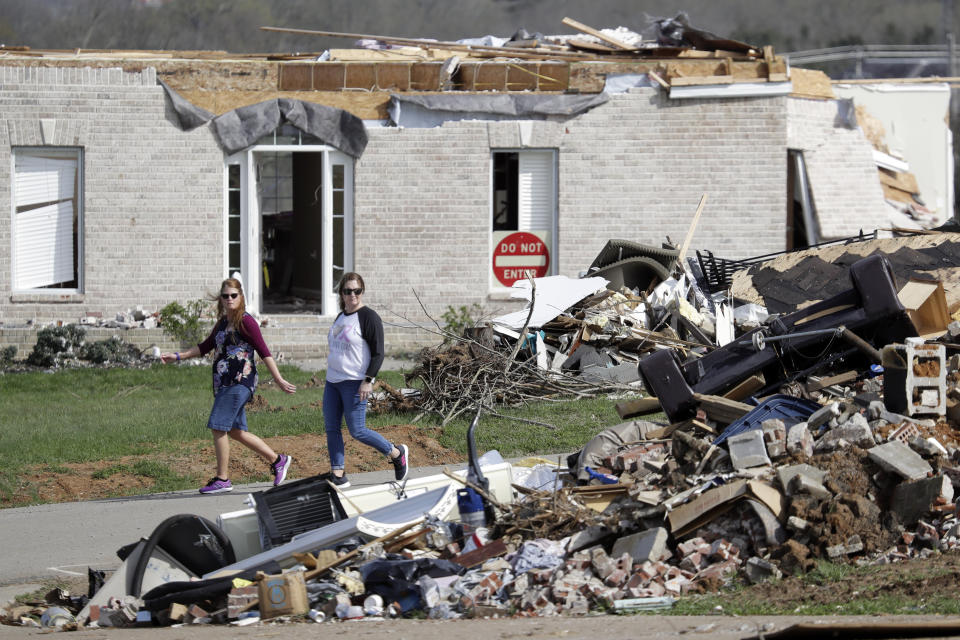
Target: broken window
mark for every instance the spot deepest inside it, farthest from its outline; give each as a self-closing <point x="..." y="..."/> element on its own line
<point x="524" y="215"/>
<point x="47" y="218"/>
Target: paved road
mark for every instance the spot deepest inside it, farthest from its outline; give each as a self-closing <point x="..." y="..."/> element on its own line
<point x="62" y="540"/>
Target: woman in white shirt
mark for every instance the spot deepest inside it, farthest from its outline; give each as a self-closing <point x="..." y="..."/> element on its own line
<point x="355" y="342"/>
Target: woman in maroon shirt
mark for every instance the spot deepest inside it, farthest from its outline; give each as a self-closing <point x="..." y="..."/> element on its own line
<point x="234" y="339"/>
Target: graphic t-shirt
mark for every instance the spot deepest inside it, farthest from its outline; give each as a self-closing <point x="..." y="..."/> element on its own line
<point x="234" y="353"/>
<point x="356" y="345"/>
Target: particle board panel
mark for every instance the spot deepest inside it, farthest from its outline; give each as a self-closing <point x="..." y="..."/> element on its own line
<point x="366" y="105"/>
<point x="810" y="83"/>
<point x="897" y="195"/>
<point x="554" y="77"/>
<point x="425" y="76"/>
<point x="465" y="77"/>
<point x="295" y="77"/>
<point x="360" y="75"/>
<point x="329" y="76"/>
<point x="491" y="77"/>
<point x="393" y="76"/>
<point x="522" y="76"/>
<point x="902" y="180"/>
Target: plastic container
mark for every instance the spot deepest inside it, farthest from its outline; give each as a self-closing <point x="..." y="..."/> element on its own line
<point x="470" y="504"/>
<point x="787" y="408"/>
<point x="373" y="605"/>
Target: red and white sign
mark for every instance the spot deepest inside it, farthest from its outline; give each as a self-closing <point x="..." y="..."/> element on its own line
<point x="518" y="254"/>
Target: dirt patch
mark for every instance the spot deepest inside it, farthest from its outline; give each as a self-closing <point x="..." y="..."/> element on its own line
<point x="133" y="475"/>
<point x="918" y="579"/>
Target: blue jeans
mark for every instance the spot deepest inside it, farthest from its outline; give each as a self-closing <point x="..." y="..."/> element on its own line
<point x="341" y="400"/>
<point x="227" y="412"/>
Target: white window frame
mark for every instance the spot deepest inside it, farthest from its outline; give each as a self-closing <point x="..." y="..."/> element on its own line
<point x="75" y="203"/>
<point x="495" y="286"/>
<point x="250" y="227"/>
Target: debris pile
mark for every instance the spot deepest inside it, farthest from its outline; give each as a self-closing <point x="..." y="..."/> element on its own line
<point x="825" y="433"/>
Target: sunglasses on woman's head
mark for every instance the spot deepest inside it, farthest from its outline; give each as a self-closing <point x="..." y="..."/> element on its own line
<point x="229" y="296"/>
<point x="347" y="292"/>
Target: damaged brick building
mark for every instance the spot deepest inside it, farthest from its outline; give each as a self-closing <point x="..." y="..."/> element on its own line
<point x="139" y="178"/>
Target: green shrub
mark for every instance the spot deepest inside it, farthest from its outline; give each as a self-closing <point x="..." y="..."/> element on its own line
<point x="7" y="354"/>
<point x="185" y="324"/>
<point x="110" y="350"/>
<point x="56" y="345"/>
<point x="458" y="319"/>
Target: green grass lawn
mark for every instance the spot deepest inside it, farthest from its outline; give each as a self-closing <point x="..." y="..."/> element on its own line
<point x="85" y="415"/>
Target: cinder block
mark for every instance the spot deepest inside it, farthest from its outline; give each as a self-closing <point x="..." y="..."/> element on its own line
<point x="900" y="459"/>
<point x="747" y="449"/>
<point x="759" y="570"/>
<point x="912" y="500"/>
<point x="786" y="474"/>
<point x="646" y="546"/>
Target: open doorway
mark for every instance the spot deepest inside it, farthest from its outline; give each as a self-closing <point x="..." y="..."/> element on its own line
<point x="290" y="190"/>
<point x="289" y="224"/>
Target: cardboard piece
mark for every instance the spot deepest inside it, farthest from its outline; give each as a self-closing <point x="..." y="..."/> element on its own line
<point x="284" y="594"/>
<point x="717" y="501"/>
<point x="926" y="304"/>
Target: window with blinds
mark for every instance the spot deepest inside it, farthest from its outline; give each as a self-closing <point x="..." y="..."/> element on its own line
<point x="46" y="221"/>
<point x="524" y="212"/>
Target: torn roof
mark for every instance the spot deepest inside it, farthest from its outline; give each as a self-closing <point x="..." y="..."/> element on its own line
<point x="361" y="80"/>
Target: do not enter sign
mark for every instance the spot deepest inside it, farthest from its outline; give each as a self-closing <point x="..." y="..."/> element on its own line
<point x="519" y="254"/>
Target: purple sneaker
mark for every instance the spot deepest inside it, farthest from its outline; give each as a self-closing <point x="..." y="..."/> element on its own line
<point x="279" y="468"/>
<point x="216" y="485"/>
<point x="400" y="463"/>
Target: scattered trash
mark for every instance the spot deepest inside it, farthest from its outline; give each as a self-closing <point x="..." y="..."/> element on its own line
<point x="815" y="418"/>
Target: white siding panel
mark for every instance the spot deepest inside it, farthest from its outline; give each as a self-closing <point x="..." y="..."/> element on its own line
<point x="44" y="246"/>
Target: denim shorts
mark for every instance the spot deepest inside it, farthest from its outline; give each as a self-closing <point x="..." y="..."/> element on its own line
<point x="227" y="413"/>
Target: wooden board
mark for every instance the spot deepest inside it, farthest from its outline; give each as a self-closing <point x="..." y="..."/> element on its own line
<point x="687" y="81"/>
<point x="641" y="407"/>
<point x="579" y="26"/>
<point x="746" y="388"/>
<point x="897" y="195"/>
<point x="721" y="409"/>
<point x="587" y="45"/>
<point x="363" y="104"/>
<point x="904" y="180"/>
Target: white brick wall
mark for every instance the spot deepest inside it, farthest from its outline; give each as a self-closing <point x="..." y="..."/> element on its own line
<point x="152" y="193"/>
<point x="840" y="167"/>
<point x="634" y="168"/>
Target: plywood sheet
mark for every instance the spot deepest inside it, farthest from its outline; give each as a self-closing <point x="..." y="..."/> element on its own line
<point x="809" y="83"/>
<point x="364" y="105"/>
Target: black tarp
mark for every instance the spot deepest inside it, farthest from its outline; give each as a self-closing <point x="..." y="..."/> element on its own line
<point x="242" y="127"/>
